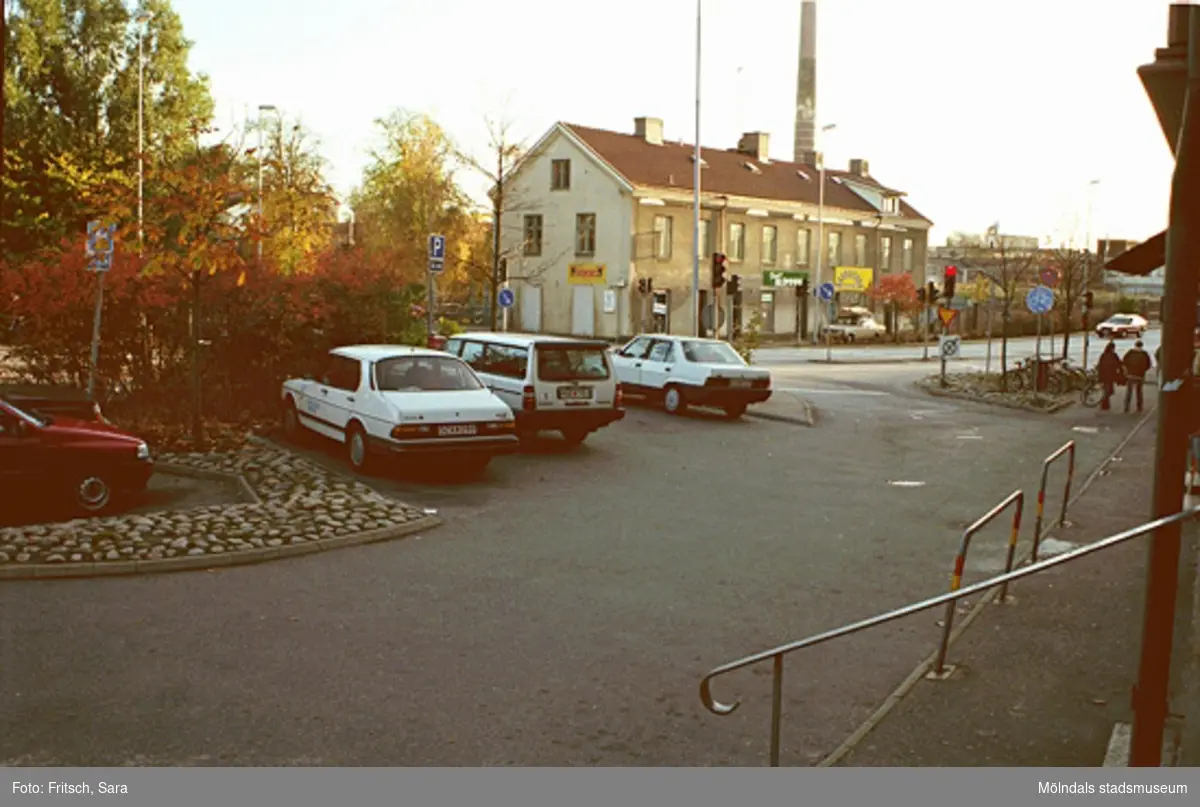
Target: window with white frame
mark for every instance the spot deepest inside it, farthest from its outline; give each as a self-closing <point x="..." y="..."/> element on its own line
<point x="664" y="236"/>
<point x="885" y="253"/>
<point x="585" y="234"/>
<point x="737" y="241"/>
<point x="835" y="249"/>
<point x="533" y="235"/>
<point x="891" y="205"/>
<point x="803" y="246"/>
<point x="860" y="249"/>
<point x="707" y="248"/>
<point x="770" y="244"/>
<point x="906" y="256"/>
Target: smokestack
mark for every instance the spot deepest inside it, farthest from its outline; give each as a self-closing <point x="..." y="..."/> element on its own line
<point x="806" y="83"/>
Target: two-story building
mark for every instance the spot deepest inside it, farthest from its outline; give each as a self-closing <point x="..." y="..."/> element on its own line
<point x="599" y="234"/>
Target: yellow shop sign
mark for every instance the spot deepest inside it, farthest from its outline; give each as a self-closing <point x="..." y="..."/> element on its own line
<point x="852" y="278"/>
<point x="586" y="274"/>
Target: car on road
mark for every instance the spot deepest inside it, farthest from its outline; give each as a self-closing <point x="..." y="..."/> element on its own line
<point x="551" y="383"/>
<point x="87" y="465"/>
<point x="855" y="325"/>
<point x="396" y="400"/>
<point x="683" y="371"/>
<point x="1122" y="326"/>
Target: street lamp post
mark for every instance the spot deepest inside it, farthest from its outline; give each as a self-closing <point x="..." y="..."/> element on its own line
<point x="829" y="127"/>
<point x="1087" y="267"/>
<point x="141" y="20"/>
<point x="696" y="202"/>
<point x="261" y="109"/>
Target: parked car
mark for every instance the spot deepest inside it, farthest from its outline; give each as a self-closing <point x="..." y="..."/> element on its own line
<point x="551" y="383"/>
<point x="856" y="325"/>
<point x="401" y="401"/>
<point x="86" y="464"/>
<point x="684" y="371"/>
<point x="1121" y="326"/>
<point x="39" y="399"/>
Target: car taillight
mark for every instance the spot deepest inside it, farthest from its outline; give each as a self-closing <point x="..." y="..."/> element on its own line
<point x="528" y="400"/>
<point x="619" y="398"/>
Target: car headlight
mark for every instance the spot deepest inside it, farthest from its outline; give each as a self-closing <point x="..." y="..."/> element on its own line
<point x="143" y="451"/>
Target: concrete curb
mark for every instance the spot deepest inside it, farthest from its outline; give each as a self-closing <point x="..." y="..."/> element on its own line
<point x="809" y="418"/>
<point x="908" y="684"/>
<point x="217" y="476"/>
<point x="938" y="393"/>
<point x="45" y="571"/>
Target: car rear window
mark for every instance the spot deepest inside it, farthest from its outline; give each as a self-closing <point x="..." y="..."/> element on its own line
<point x="425" y="374"/>
<point x="1121" y="320"/>
<point x="571" y="363"/>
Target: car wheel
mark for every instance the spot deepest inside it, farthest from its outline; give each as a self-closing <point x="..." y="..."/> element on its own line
<point x="735" y="411"/>
<point x="673" y="400"/>
<point x="92" y="493"/>
<point x="291" y="422"/>
<point x="356" y="448"/>
<point x="574" y="436"/>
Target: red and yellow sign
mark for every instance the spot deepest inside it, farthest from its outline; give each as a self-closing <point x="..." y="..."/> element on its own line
<point x="587" y="274"/>
<point x="946" y="315"/>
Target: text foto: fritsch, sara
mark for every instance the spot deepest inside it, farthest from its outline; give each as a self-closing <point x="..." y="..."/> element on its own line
<point x="70" y="789"/>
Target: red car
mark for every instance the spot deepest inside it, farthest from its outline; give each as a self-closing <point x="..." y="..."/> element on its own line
<point x="86" y="464"/>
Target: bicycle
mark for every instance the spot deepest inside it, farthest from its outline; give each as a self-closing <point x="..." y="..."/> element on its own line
<point x="1091" y="393"/>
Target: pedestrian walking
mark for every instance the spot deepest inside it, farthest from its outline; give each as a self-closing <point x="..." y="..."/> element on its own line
<point x="1109" y="370"/>
<point x="1137" y="364"/>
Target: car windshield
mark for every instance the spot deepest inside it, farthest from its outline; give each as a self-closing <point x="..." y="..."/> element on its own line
<point x="15" y="411"/>
<point x="710" y="353"/>
<point x="425" y="374"/>
<point x="571" y="363"/>
<point x="1120" y="320"/>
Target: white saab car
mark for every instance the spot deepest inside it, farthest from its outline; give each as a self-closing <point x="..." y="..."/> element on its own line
<point x="683" y="371"/>
<point x="398" y="400"/>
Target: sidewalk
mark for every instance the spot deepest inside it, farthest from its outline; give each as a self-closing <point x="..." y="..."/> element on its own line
<point x="1043" y="681"/>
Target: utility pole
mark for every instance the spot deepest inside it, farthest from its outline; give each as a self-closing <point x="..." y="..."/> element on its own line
<point x="696" y="329"/>
<point x="1164" y="80"/>
<point x="497" y="212"/>
<point x="1087" y="270"/>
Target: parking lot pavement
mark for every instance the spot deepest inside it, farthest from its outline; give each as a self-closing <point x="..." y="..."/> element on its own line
<point x="563" y="614"/>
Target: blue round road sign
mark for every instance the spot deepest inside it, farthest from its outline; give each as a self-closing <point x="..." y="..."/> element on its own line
<point x="1039" y="300"/>
<point x="825" y="291"/>
<point x="507" y="298"/>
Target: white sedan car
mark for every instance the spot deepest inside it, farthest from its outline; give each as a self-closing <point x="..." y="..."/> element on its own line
<point x="1120" y="326"/>
<point x="398" y="400"/>
<point x="682" y="371"/>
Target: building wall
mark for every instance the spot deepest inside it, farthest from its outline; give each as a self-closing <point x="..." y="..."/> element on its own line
<point x="592" y="190"/>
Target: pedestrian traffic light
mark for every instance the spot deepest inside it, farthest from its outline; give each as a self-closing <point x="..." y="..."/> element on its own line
<point x="503" y="267"/>
<point x="951" y="279"/>
<point x="921" y="295"/>
<point x="735" y="284"/>
<point x="718" y="270"/>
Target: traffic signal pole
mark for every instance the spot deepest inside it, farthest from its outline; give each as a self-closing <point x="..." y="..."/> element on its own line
<point x="1152" y="692"/>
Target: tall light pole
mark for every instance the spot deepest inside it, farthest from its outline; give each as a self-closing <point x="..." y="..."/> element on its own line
<point x="829" y="127"/>
<point x="142" y="19"/>
<point x="262" y="108"/>
<point x="696" y="202"/>
<point x="1087" y="267"/>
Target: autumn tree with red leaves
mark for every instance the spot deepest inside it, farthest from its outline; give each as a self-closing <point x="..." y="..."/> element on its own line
<point x="898" y="293"/>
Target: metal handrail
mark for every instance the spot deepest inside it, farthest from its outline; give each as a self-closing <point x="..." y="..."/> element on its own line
<point x="1067" y="448"/>
<point x="776" y="654"/>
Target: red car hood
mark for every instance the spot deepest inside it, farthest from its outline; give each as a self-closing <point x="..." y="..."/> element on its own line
<point x="67" y="427"/>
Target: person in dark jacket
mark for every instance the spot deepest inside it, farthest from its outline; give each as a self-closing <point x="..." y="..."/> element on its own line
<point x="1137" y="364"/>
<point x="1109" y="370"/>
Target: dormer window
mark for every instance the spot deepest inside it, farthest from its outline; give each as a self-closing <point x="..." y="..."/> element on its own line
<point x="891" y="205"/>
<point x="752" y="168"/>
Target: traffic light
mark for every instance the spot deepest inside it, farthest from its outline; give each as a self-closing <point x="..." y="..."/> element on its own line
<point x="921" y="295"/>
<point x="735" y="284"/>
<point x="951" y="279"/>
<point x="1087" y="300"/>
<point x="503" y="266"/>
<point x="802" y="289"/>
<point x="718" y="270"/>
<point x="931" y="293"/>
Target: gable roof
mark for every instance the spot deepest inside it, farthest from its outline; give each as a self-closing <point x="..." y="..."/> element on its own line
<point x="725" y="172"/>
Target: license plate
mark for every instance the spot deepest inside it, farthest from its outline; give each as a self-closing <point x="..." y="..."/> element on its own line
<point x="458" y="431"/>
<point x="575" y="393"/>
<point x="740" y="383"/>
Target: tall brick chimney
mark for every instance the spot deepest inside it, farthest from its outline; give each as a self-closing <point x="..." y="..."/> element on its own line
<point x="806" y="83"/>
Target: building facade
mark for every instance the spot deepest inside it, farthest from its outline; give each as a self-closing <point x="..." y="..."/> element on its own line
<point x="598" y="232"/>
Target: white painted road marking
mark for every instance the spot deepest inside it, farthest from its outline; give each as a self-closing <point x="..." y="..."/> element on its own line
<point x="846" y="391"/>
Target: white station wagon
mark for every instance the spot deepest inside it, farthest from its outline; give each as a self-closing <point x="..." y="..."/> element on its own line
<point x="683" y="371"/>
<point x="400" y="400"/>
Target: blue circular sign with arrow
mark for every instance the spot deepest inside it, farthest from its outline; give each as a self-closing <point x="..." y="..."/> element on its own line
<point x="1039" y="300"/>
<point x="825" y="291"/>
<point x="507" y="298"/>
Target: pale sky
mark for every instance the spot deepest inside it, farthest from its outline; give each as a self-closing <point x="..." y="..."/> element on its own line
<point x="981" y="112"/>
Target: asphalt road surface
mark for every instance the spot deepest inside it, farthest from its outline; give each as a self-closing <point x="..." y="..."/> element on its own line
<point x="565" y="612"/>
